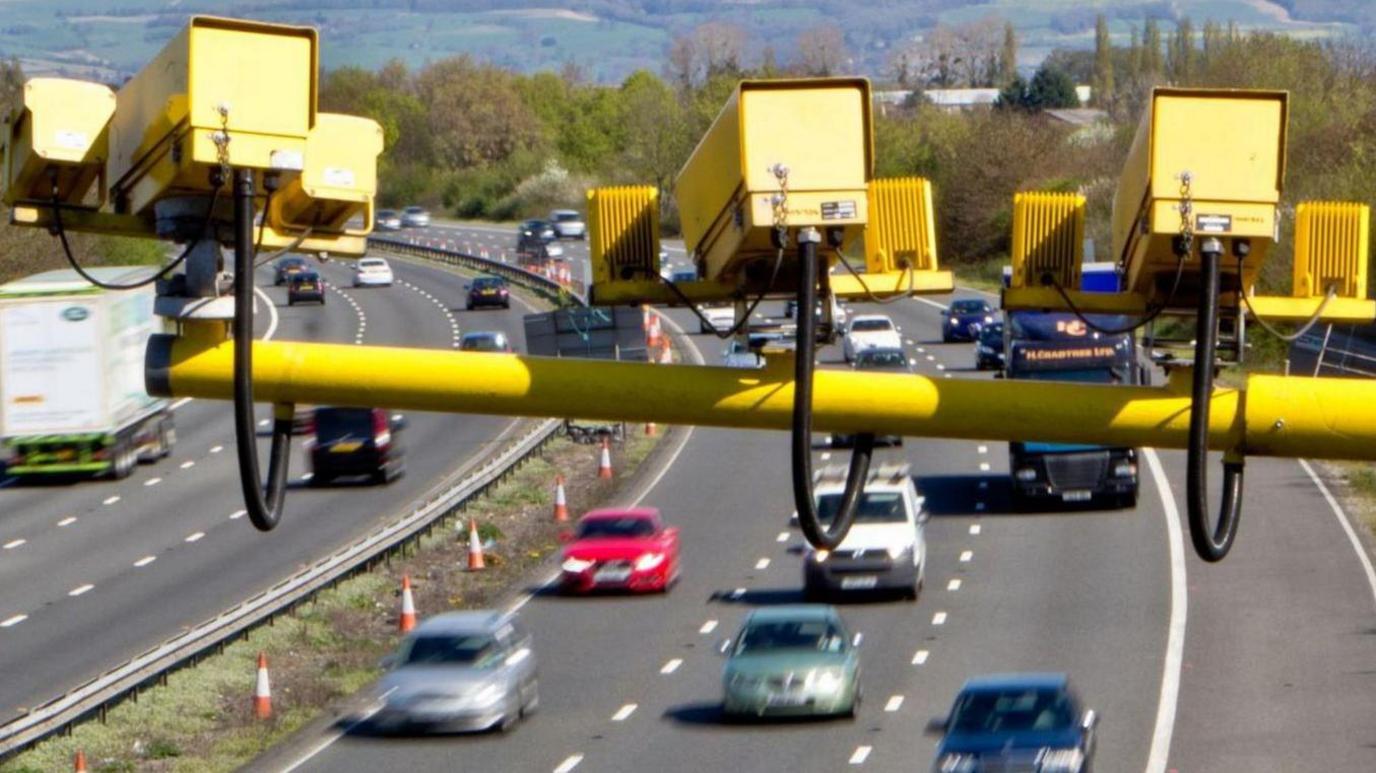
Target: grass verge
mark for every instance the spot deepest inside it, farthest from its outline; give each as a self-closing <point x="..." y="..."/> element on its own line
<point x="329" y="648"/>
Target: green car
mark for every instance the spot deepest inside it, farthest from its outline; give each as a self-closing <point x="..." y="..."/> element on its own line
<point x="792" y="661"/>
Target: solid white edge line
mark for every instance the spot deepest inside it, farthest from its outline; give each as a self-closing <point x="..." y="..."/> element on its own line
<point x="695" y="355"/>
<point x="1347" y="527"/>
<point x="1175" y="638"/>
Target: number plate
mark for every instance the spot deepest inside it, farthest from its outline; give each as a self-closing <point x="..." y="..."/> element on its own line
<point x="1076" y="496"/>
<point x="859" y="583"/>
<point x="611" y="575"/>
<point x="785" y="699"/>
<point x="345" y="447"/>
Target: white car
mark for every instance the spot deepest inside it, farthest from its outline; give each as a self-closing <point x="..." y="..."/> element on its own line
<point x="720" y="318"/>
<point x="372" y="272"/>
<point x="387" y="220"/>
<point x="568" y="224"/>
<point x="739" y="355"/>
<point x="415" y="217"/>
<point x="885" y="549"/>
<point x="869" y="331"/>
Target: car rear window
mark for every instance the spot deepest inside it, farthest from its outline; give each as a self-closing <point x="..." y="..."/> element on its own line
<point x="487" y="283"/>
<point x="969" y="307"/>
<point x="305" y="276"/>
<point x="882" y="359"/>
<point x="462" y="650"/>
<point x="603" y="528"/>
<point x="565" y="217"/>
<point x="333" y="424"/>
<point x="373" y="263"/>
<point x="874" y="507"/>
<point x="866" y="325"/>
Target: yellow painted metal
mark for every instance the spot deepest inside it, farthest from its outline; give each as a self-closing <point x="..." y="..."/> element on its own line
<point x="890" y="283"/>
<point x="1298" y="417"/>
<point x="1047" y="299"/>
<point x="623" y="235"/>
<point x="1048" y="239"/>
<point x="819" y="129"/>
<point x="59" y="127"/>
<point x="1232" y="145"/>
<point x="1300" y="310"/>
<point x="167" y="116"/>
<point x="1331" y="249"/>
<point x="339" y="180"/>
<point x="902" y="228"/>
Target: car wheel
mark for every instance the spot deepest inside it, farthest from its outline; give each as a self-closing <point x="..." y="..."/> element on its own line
<point x="1127" y="501"/>
<point x="508" y="722"/>
<point x="320" y="481"/>
<point x="532" y="703"/>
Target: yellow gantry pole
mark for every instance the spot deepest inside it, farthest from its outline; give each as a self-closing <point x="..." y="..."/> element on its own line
<point x="1273" y="416"/>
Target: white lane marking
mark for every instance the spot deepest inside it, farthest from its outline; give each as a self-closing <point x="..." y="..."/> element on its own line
<point x="953" y="585"/>
<point x="947" y="375"/>
<point x="939" y="618"/>
<point x="216" y="449"/>
<point x="525" y="598"/>
<point x="974" y="528"/>
<point x="570" y="762"/>
<point x="920" y="657"/>
<point x="966" y="555"/>
<point x="708" y="627"/>
<point x="939" y="366"/>
<point x="983" y="449"/>
<point x="188" y="464"/>
<point x="623" y="713"/>
<point x="12" y="544"/>
<point x="932" y="303"/>
<point x="1346" y="524"/>
<point x="111" y="500"/>
<point x="68" y="521"/>
<point x="152" y="481"/>
<point x="861" y="754"/>
<point x="272" y="313"/>
<point x="931" y="358"/>
<point x="921" y="349"/>
<point x="80" y="590"/>
<point x="826" y="456"/>
<point x="671" y="666"/>
<point x="264" y="423"/>
<point x="895" y="702"/>
<point x="1175" y="637"/>
<point x="984" y="467"/>
<point x="783" y="537"/>
<point x="196" y="537"/>
<point x="17" y="619"/>
<point x="763" y="563"/>
<point x="737" y="593"/>
<point x="237" y="514"/>
<point x="910" y="342"/>
<point x="145" y="561"/>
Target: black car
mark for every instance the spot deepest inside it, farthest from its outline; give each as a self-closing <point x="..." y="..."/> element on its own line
<point x="989" y="347"/>
<point x="959" y="320"/>
<point x="533" y="235"/>
<point x="879" y="360"/>
<point x="287" y="267"/>
<point x="1016" y="722"/>
<point x="489" y="291"/>
<point x="305" y="286"/>
<point x="351" y="442"/>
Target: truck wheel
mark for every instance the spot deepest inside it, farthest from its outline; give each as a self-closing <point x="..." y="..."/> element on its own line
<point x="125" y="459"/>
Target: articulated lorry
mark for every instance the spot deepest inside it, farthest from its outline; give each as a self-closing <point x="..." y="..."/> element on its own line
<point x="72" y="396"/>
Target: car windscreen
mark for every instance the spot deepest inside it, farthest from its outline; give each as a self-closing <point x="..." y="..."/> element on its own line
<point x="882" y="359"/>
<point x="613" y="528"/>
<point x="806" y="635"/>
<point x="480" y="343"/>
<point x="969" y="307"/>
<point x="305" y="277"/>
<point x="874" y="507"/>
<point x="867" y="325"/>
<point x="338" y="424"/>
<point x="1013" y="710"/>
<point x="992" y="335"/>
<point x="487" y="283"/>
<point x="566" y="217"/>
<point x="291" y="263"/>
<point x="414" y="210"/>
<point x="372" y="263"/>
<point x="453" y="649"/>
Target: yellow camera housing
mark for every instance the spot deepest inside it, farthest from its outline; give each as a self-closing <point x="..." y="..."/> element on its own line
<point x="58" y="134"/>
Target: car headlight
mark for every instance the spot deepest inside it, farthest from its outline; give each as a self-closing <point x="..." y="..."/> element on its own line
<point x="1062" y="761"/>
<point x="1026" y="474"/>
<point x="820" y="556"/>
<point x="988" y="320"/>
<point x="823" y="679"/>
<point x="576" y="565"/>
<point x="487" y="695"/>
<point x="648" y="561"/>
<point x="1124" y="469"/>
<point x="955" y="321"/>
<point x="957" y="763"/>
<point x="897" y="551"/>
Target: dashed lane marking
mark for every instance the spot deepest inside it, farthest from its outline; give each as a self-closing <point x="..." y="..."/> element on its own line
<point x="145" y="561"/>
<point x="763" y="563"/>
<point x="16" y="620"/>
<point x="68" y="521"/>
<point x="152" y="481"/>
<point x="939" y="618"/>
<point x="12" y="544"/>
<point x="237" y="514"/>
<point x="80" y="589"/>
<point x="195" y="537"/>
<point x="974" y="527"/>
<point x="708" y="627"/>
<point x="983" y="449"/>
<point x="953" y="585"/>
<point x="783" y="537"/>
<point x="671" y="666"/>
<point x="569" y="763"/>
<point x="920" y="657"/>
<point x="188" y="464"/>
<point x="984" y="467"/>
<point x="861" y="754"/>
<point x="216" y="449"/>
<point x="111" y="500"/>
<point x="624" y="713"/>
<point x="966" y="555"/>
<point x="895" y="702"/>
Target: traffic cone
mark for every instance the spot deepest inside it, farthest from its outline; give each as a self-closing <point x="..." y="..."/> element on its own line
<point x="654" y="336"/>
<point x="666" y="356"/>
<point x="604" y="464"/>
<point x="475" y="548"/>
<point x="80" y="763"/>
<point x="262" y="690"/>
<point x="407" y="621"/>
<point x="561" y="502"/>
<point x="651" y="429"/>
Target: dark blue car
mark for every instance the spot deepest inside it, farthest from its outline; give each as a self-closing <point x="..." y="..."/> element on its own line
<point x="963" y="318"/>
<point x="1031" y="722"/>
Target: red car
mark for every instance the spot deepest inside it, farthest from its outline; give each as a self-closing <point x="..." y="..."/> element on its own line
<point x="620" y="550"/>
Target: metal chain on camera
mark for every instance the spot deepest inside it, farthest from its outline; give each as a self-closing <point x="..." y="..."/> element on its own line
<point x="779" y="202"/>
<point x="1186" y="214"/>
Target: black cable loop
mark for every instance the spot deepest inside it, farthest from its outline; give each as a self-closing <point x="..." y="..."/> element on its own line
<point x="825" y="538"/>
<point x="1182" y="255"/>
<point x="1212" y="544"/>
<point x="912" y="281"/>
<point x="166" y="270"/>
<point x="1288" y="338"/>
<point x="706" y="323"/>
<point x="264" y="508"/>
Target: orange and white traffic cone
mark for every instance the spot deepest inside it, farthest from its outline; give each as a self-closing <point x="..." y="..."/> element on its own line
<point x="79" y="764"/>
<point x="262" y="690"/>
<point x="407" y="621"/>
<point x="654" y="336"/>
<point x="475" y="548"/>
<point x="604" y="463"/>
<point x="651" y="429"/>
<point x="561" y="502"/>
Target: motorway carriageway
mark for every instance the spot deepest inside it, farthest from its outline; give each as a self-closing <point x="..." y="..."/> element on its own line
<point x="94" y="573"/>
<point x="1261" y="663"/>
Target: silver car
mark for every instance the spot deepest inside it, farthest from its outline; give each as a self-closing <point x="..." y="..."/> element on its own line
<point x="415" y="217"/>
<point x="460" y="671"/>
<point x="568" y="224"/>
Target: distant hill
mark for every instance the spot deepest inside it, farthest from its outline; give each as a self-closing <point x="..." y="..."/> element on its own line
<point x="607" y="39"/>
